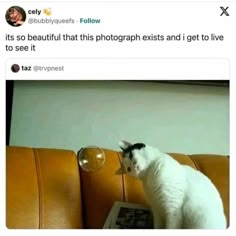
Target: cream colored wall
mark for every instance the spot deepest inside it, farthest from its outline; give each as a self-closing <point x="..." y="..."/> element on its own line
<point x="73" y="114"/>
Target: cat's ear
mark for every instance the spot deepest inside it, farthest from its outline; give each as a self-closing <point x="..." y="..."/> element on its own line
<point x="124" y="144"/>
<point x="120" y="171"/>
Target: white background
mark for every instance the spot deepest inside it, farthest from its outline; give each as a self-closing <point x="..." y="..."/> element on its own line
<point x="188" y="119"/>
<point x="164" y="18"/>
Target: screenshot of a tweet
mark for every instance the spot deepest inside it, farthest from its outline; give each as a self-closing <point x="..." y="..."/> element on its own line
<point x="117" y="115"/>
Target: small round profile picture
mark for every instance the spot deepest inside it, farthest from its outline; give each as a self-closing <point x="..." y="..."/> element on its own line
<point x="15" y="68"/>
<point x="15" y="16"/>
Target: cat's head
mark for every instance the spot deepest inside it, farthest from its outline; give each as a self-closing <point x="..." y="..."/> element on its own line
<point x="134" y="158"/>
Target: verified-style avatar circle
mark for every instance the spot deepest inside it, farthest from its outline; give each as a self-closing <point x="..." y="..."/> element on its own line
<point x="15" y="16"/>
<point x="91" y="158"/>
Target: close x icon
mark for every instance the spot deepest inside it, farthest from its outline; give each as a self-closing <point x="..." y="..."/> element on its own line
<point x="224" y="11"/>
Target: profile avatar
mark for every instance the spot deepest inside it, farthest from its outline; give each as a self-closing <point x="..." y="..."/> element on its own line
<point x="15" y="68"/>
<point x="15" y="16"/>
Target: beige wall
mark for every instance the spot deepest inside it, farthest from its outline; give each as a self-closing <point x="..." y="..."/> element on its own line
<point x="73" y="114"/>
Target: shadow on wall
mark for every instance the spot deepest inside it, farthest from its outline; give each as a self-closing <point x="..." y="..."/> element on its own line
<point x="176" y="87"/>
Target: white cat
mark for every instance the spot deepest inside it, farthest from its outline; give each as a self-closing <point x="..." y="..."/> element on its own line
<point x="180" y="196"/>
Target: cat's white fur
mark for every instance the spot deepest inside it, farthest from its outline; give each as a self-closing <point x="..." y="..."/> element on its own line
<point x="180" y="196"/>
